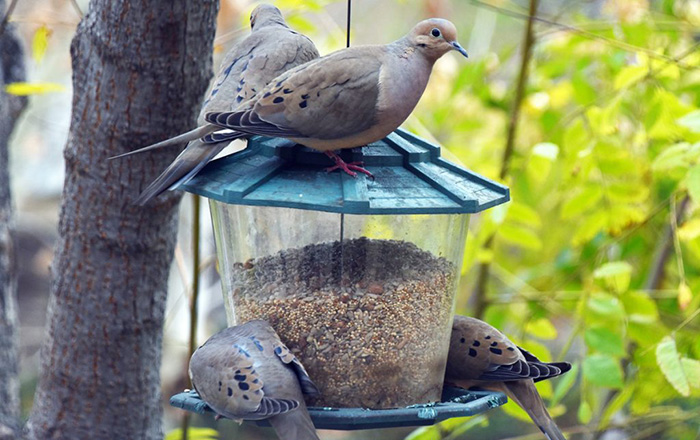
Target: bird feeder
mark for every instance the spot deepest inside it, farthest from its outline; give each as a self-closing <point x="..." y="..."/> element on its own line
<point x="357" y="276"/>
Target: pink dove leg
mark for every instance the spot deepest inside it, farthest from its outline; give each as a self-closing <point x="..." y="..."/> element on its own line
<point x="349" y="168"/>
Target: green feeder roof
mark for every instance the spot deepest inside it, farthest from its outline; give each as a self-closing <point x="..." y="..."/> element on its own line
<point x="410" y="178"/>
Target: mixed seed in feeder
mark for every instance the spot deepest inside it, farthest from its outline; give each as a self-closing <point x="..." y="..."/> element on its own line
<point x="367" y="333"/>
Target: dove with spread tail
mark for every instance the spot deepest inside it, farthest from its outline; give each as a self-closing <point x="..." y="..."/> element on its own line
<point x="481" y="356"/>
<point x="246" y="373"/>
<point x="271" y="49"/>
<point x="349" y="98"/>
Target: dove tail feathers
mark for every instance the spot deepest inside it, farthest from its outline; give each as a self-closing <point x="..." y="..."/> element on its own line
<point x="179" y="139"/>
<point x="184" y="167"/>
<point x="524" y="393"/>
<point x="294" y="425"/>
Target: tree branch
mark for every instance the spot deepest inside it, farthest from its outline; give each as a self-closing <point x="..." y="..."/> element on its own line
<point x="11" y="70"/>
<point x="479" y="293"/>
<point x="140" y="70"/>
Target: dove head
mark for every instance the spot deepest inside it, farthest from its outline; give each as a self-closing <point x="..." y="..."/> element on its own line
<point x="435" y="37"/>
<point x="265" y="14"/>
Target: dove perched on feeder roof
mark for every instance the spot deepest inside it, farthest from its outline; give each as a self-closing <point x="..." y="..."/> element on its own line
<point x="271" y="49"/>
<point x="349" y="98"/>
<point x="481" y="356"/>
<point x="246" y="373"/>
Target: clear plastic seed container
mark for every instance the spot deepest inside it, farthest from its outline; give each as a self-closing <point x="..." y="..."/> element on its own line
<point x="364" y="301"/>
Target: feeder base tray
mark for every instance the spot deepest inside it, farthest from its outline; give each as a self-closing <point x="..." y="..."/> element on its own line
<point x="456" y="402"/>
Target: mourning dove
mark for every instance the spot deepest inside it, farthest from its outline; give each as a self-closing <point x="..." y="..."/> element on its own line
<point x="349" y="98"/>
<point x="247" y="373"/>
<point x="482" y="356"/>
<point x="271" y="49"/>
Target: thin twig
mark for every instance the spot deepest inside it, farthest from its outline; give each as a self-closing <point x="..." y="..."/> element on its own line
<point x="194" y="297"/>
<point x="76" y="6"/>
<point x="482" y="279"/>
<point x="663" y="249"/>
<point x="573" y="29"/>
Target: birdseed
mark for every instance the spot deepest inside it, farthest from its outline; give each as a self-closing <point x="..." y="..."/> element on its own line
<point x="369" y="319"/>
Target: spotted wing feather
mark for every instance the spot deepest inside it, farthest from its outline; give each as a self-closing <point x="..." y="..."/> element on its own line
<point x="286" y="356"/>
<point x="224" y="376"/>
<point x="329" y="98"/>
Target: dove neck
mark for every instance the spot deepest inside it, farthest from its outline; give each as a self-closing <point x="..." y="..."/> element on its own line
<point x="407" y="48"/>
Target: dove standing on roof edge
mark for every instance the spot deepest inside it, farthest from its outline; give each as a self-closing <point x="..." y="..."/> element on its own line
<point x="246" y="373"/>
<point x="271" y="49"/>
<point x="481" y="356"/>
<point x="349" y="98"/>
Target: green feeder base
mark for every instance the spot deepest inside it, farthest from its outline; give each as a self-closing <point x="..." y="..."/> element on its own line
<point x="456" y="402"/>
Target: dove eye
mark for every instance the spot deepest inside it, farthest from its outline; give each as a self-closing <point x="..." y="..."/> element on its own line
<point x="435" y="32"/>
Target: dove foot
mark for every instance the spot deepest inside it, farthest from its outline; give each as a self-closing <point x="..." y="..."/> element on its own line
<point x="349" y="168"/>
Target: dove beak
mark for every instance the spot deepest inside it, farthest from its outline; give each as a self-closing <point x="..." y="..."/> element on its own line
<point x="459" y="49"/>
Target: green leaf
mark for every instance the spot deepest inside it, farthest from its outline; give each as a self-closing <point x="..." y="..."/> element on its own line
<point x="603" y="370"/>
<point x="193" y="433"/>
<point x="513" y="410"/>
<point x="425" y="433"/>
<point x="539" y="350"/>
<point x="564" y="385"/>
<point x="622" y="216"/>
<point x="546" y="150"/>
<point x="640" y="308"/>
<point x="585" y="414"/>
<point x="685" y="295"/>
<point x="24" y="89"/>
<point x="467" y="424"/>
<point x="302" y="24"/>
<point x="691" y="121"/>
<point x="613" y="269"/>
<point x="603" y="121"/>
<point x="521" y="213"/>
<point x="581" y="202"/>
<point x="670" y="364"/>
<point x="692" y="182"/>
<point x="679" y="155"/>
<point x="576" y="138"/>
<point x="541" y="328"/>
<point x="616" y="274"/>
<point x="690" y="230"/>
<point x="664" y="69"/>
<point x="671" y="108"/>
<point x="691" y="367"/>
<point x="606" y="305"/>
<point x="630" y="75"/>
<point x="592" y="224"/>
<point x="628" y="192"/>
<point x="520" y="236"/>
<point x="603" y="340"/>
<point x="616" y="405"/>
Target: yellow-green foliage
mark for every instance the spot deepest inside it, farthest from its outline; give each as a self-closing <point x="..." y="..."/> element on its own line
<point x="607" y="147"/>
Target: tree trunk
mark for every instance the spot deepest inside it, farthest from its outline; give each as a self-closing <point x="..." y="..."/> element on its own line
<point x="11" y="70"/>
<point x="140" y="69"/>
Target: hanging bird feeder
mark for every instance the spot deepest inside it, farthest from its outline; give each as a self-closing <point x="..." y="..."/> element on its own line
<point x="357" y="276"/>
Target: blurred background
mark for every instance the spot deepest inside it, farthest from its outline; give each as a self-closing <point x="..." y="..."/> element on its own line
<point x="594" y="261"/>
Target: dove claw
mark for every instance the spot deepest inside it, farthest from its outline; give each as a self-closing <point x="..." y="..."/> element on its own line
<point x="349" y="168"/>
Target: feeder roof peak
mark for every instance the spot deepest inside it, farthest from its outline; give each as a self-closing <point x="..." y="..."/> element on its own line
<point x="410" y="178"/>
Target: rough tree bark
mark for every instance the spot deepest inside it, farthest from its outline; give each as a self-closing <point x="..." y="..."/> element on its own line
<point x="11" y="70"/>
<point x="140" y="69"/>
